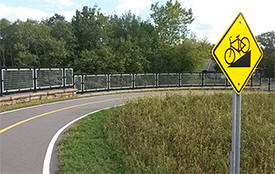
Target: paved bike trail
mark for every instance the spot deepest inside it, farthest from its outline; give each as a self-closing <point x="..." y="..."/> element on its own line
<point x="26" y="133"/>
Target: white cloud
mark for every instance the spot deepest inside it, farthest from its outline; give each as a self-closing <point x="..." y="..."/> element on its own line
<point x="134" y="5"/>
<point x="22" y="13"/>
<point x="216" y="15"/>
<point x="62" y="3"/>
<point x="67" y="3"/>
<point x="68" y="14"/>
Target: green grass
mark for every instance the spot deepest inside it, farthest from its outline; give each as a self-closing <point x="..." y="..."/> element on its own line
<point x="45" y="101"/>
<point x="172" y="134"/>
<point x="84" y="148"/>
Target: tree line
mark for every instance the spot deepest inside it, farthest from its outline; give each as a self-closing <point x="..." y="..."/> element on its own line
<point x="96" y="43"/>
<point x="93" y="42"/>
<point x="267" y="43"/>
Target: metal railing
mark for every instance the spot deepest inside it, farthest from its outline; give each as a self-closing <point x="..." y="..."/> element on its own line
<point x="104" y="82"/>
<point x="32" y="79"/>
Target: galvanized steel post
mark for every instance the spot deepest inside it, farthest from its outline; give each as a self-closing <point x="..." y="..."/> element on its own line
<point x="236" y="134"/>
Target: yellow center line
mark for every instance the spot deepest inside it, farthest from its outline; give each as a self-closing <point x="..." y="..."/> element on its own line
<point x="47" y="113"/>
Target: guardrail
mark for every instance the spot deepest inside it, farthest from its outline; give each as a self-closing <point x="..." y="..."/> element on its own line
<point x="32" y="79"/>
<point x="105" y="82"/>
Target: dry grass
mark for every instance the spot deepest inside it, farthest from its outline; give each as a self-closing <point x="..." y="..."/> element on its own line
<point x="192" y="133"/>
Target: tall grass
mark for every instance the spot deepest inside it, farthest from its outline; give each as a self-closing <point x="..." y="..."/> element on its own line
<point x="192" y="133"/>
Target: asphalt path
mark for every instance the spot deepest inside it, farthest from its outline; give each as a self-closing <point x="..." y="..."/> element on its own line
<point x="26" y="133"/>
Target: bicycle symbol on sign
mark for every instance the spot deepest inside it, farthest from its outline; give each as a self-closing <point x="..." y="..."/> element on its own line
<point x="243" y="46"/>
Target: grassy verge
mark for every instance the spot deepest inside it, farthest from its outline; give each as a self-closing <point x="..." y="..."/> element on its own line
<point x="85" y="95"/>
<point x="172" y="134"/>
<point x="192" y="134"/>
<point x="84" y="148"/>
<point x="33" y="103"/>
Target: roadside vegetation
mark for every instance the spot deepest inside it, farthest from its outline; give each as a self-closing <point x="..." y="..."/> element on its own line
<point x="33" y="103"/>
<point x="172" y="134"/>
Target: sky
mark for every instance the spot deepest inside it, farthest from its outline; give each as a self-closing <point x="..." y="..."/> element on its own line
<point x="212" y="17"/>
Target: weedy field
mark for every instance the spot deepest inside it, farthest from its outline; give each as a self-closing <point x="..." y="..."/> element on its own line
<point x="172" y="134"/>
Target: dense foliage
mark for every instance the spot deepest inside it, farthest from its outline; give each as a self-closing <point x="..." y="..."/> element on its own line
<point x="189" y="133"/>
<point x="192" y="134"/>
<point x="96" y="43"/>
<point x="267" y="42"/>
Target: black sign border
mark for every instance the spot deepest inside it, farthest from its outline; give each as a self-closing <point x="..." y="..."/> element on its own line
<point x="220" y="65"/>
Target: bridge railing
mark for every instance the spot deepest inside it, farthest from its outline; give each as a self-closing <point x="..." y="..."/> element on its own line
<point x="32" y="79"/>
<point x="104" y="82"/>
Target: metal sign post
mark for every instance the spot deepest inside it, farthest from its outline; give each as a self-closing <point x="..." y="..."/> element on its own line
<point x="238" y="64"/>
<point x="236" y="134"/>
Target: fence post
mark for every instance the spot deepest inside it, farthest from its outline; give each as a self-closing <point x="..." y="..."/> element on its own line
<point x="82" y="83"/>
<point x="269" y="83"/>
<point x="202" y="78"/>
<point x="157" y="80"/>
<point x="133" y="81"/>
<point x="34" y="79"/>
<point x="108" y="82"/>
<point x="179" y="79"/>
<point x="73" y="80"/>
<point x="1" y="82"/>
<point x="64" y="78"/>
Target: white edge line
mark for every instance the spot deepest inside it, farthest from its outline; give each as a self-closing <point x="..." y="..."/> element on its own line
<point x="69" y="100"/>
<point x="47" y="159"/>
<point x="46" y="104"/>
<point x="80" y="98"/>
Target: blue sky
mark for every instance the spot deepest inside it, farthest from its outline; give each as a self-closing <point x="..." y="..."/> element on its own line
<point x="141" y="8"/>
<point x="212" y="17"/>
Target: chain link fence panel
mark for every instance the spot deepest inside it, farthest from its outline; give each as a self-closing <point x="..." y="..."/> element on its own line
<point x="24" y="79"/>
<point x="69" y="74"/>
<point x="191" y="79"/>
<point x="168" y="79"/>
<point x="49" y="78"/>
<point x="214" y="79"/>
<point x="272" y="84"/>
<point x="95" y="82"/>
<point x="121" y="81"/>
<point x="255" y="80"/>
<point x="17" y="80"/>
<point x="145" y="80"/>
<point x="268" y="84"/>
<point x="78" y="82"/>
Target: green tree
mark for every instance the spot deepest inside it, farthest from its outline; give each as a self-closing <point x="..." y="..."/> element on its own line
<point x="190" y="56"/>
<point x="131" y="42"/>
<point x="6" y="43"/>
<point x="171" y="21"/>
<point x="267" y="42"/>
<point x="62" y="31"/>
<point x="95" y="43"/>
<point x="32" y="44"/>
<point x="88" y="27"/>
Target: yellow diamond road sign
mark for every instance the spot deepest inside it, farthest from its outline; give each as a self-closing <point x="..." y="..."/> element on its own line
<point x="238" y="53"/>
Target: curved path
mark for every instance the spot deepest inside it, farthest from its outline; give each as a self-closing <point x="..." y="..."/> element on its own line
<point x="26" y="133"/>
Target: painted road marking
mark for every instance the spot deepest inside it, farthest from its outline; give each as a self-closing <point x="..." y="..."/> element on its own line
<point x="54" y="111"/>
<point x="47" y="104"/>
<point x="48" y="156"/>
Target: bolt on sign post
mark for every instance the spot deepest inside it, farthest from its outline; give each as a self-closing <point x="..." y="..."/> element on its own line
<point x="237" y="54"/>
